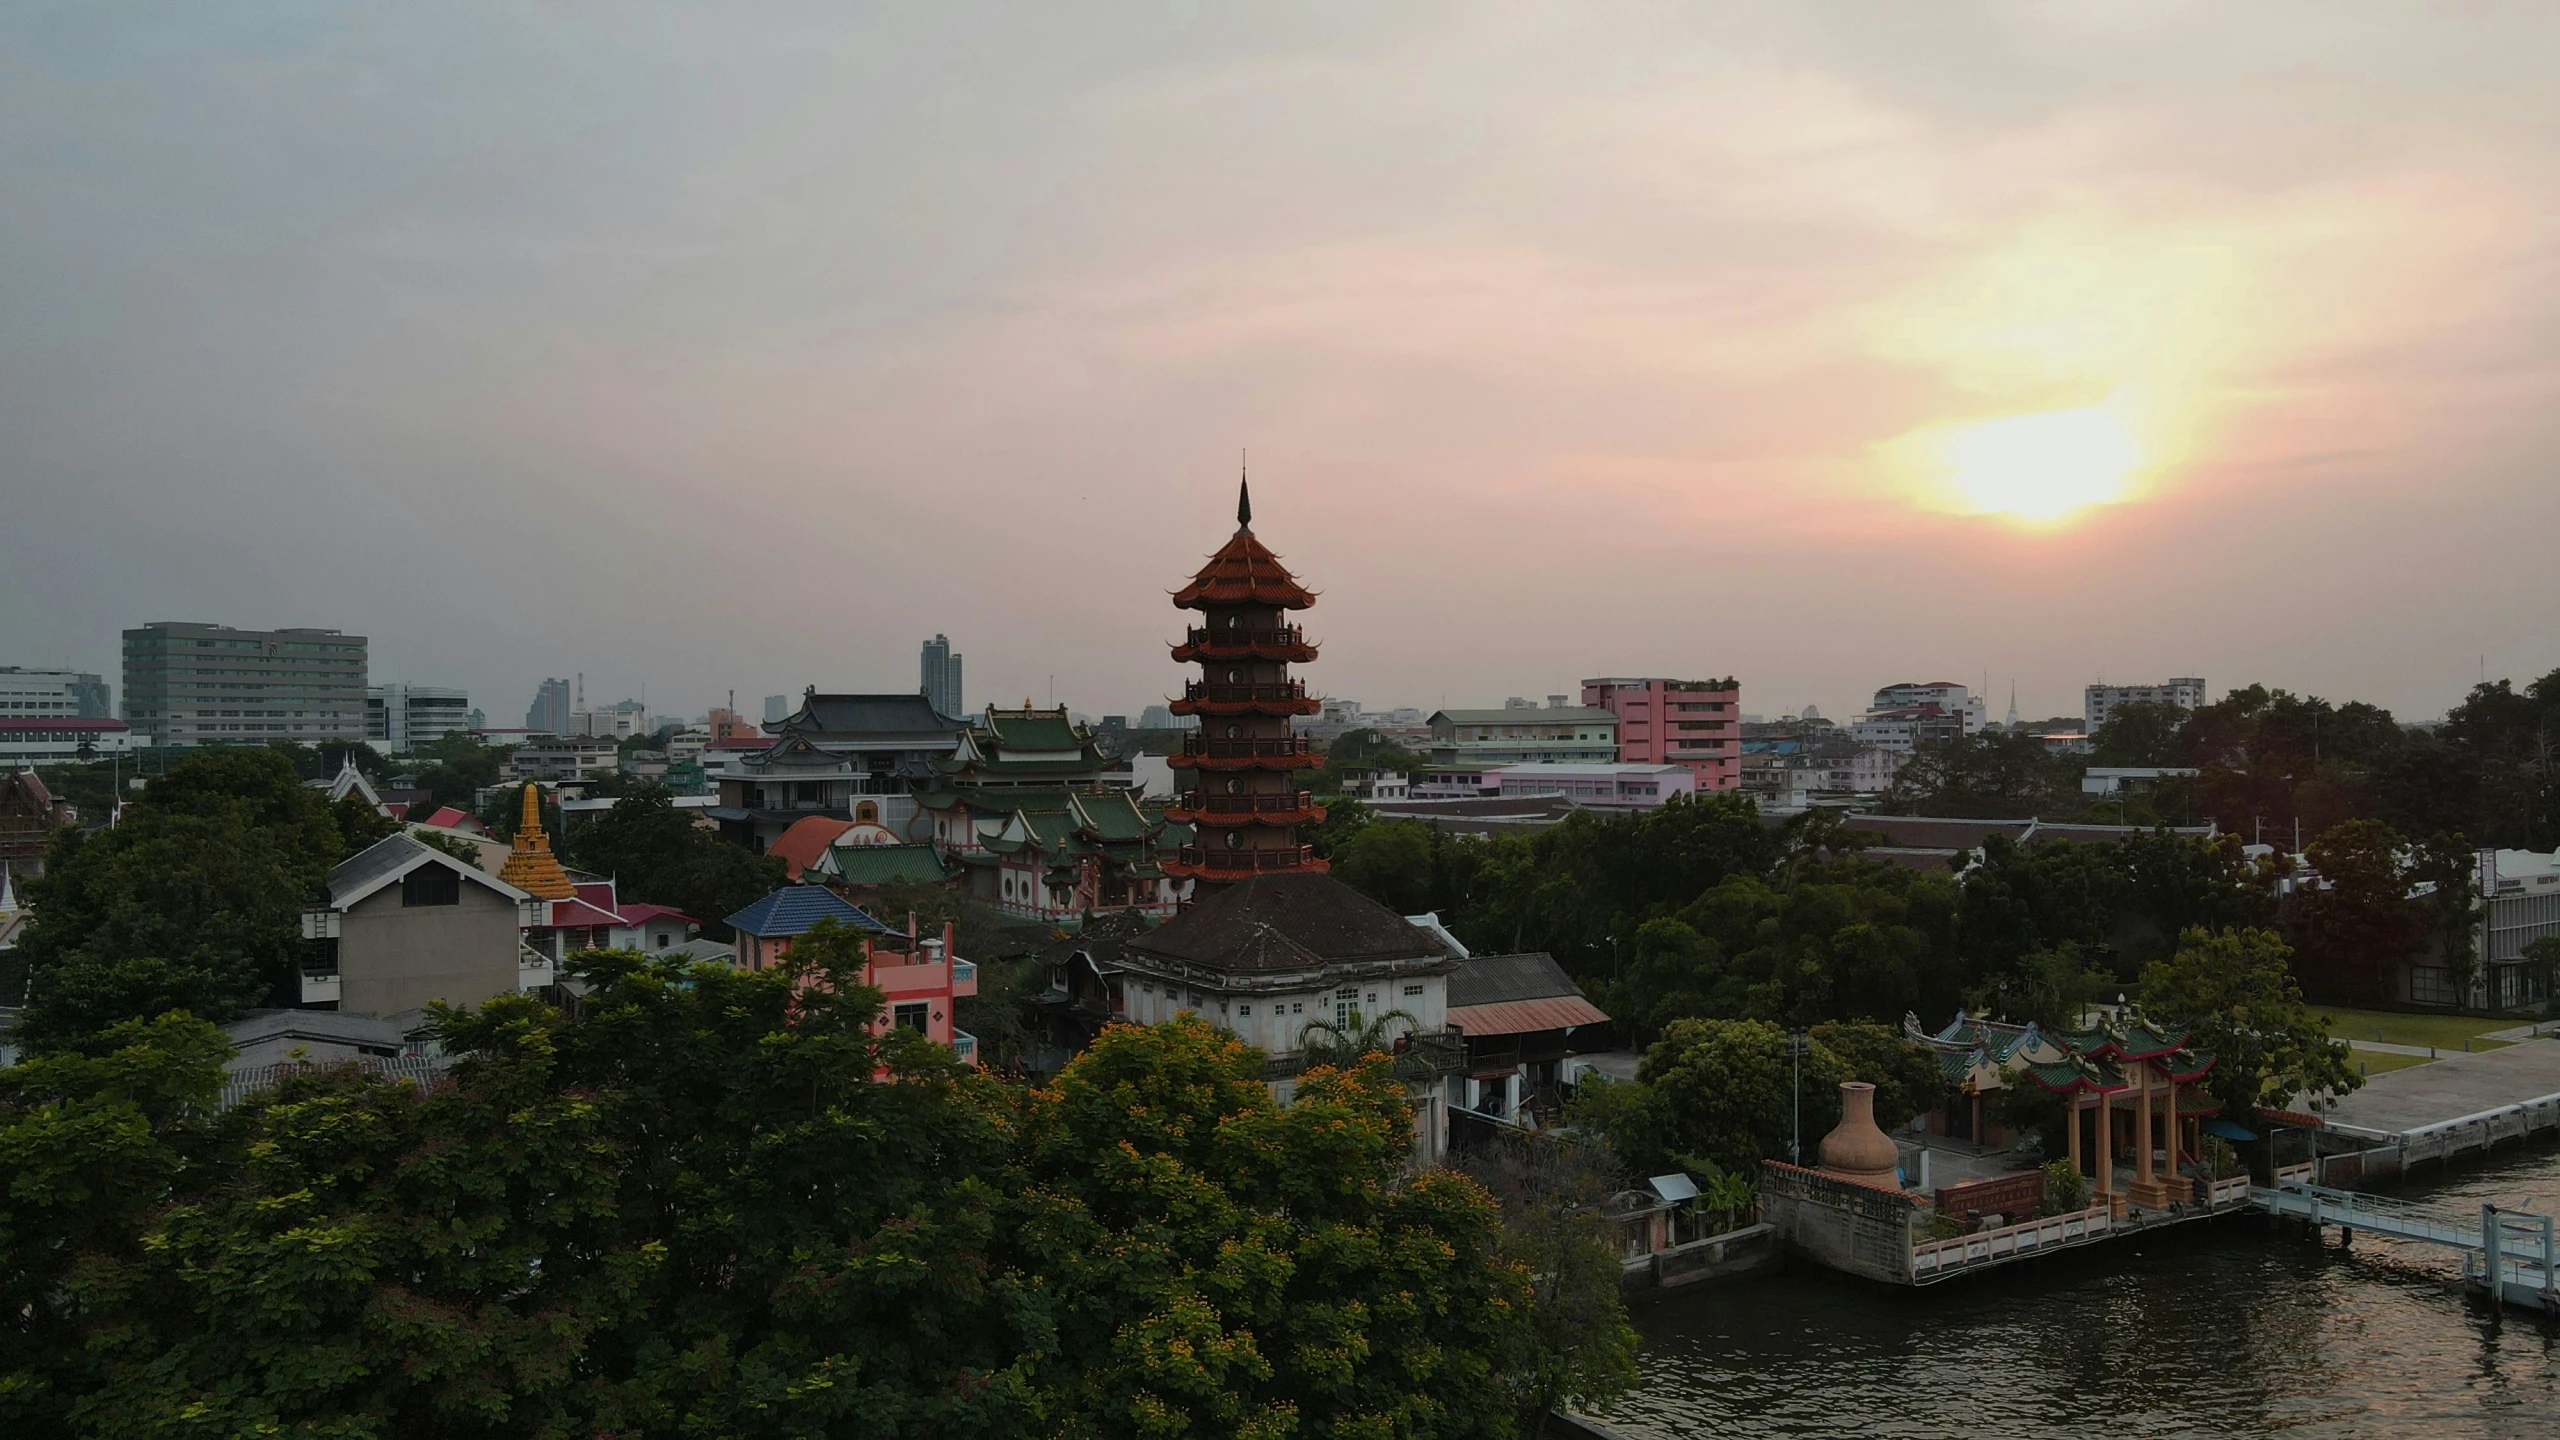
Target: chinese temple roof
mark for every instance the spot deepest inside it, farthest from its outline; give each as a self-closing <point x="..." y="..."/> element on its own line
<point x="1244" y="572"/>
<point x="1288" y="921"/>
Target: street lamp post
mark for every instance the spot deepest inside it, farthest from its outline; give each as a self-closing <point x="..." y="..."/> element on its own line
<point x="1795" y="1052"/>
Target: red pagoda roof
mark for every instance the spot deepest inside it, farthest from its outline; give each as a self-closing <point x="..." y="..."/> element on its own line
<point x="1244" y="572"/>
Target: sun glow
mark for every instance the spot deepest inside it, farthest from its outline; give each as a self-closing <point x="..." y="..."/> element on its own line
<point x="2041" y="468"/>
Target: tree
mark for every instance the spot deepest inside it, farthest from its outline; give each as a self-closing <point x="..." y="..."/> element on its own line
<point x="1551" y="1188"/>
<point x="2139" y="733"/>
<point x="89" y="1148"/>
<point x="1724" y="1093"/>
<point x="2236" y="994"/>
<point x="716" y="1201"/>
<point x="1233" y="1267"/>
<point x="1906" y="1076"/>
<point x="2357" y="924"/>
<point x="658" y="855"/>
<point x="1349" y="1041"/>
<point x="192" y="902"/>
<point x="1390" y="862"/>
<point x="1992" y="775"/>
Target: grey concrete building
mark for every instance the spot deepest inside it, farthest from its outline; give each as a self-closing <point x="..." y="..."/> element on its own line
<point x="407" y="924"/>
<point x="399" y="718"/>
<point x="191" y="684"/>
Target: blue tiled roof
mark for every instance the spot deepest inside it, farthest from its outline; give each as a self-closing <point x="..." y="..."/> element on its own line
<point x="792" y="909"/>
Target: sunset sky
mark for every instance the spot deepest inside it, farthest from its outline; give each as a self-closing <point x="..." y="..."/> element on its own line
<point x="1821" y="345"/>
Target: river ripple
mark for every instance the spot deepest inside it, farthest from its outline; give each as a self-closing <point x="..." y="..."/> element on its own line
<point x="2216" y="1329"/>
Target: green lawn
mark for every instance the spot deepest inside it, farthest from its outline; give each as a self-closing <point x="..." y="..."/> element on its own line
<point x="2376" y="1062"/>
<point x="2445" y="1032"/>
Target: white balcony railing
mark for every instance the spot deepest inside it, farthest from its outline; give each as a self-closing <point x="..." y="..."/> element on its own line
<point x="965" y="1045"/>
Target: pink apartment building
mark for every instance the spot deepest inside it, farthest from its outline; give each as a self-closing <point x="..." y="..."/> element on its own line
<point x="1696" y="724"/>
<point x="918" y="976"/>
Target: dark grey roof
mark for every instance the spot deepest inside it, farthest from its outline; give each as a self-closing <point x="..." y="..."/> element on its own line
<point x="1501" y="979"/>
<point x="838" y="717"/>
<point x="395" y="855"/>
<point x="388" y="856"/>
<point x="1287" y="922"/>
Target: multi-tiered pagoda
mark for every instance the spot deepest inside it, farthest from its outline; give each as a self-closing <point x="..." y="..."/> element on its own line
<point x="1244" y="804"/>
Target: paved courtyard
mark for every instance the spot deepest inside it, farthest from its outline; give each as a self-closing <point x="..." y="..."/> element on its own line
<point x="2452" y="1087"/>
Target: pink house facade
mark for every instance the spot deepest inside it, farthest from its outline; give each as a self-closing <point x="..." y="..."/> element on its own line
<point x="1695" y="724"/>
<point x="918" y="976"/>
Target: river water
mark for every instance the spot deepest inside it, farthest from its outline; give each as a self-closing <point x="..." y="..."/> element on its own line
<point x="2227" y="1327"/>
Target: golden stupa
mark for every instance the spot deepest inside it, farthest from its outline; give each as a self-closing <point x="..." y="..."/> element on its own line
<point x="531" y="867"/>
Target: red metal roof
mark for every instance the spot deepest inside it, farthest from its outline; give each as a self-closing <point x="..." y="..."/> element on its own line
<point x="806" y="840"/>
<point x="1526" y="1017"/>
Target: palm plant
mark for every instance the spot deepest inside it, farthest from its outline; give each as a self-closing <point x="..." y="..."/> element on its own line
<point x="1729" y="1195"/>
<point x="1346" y="1042"/>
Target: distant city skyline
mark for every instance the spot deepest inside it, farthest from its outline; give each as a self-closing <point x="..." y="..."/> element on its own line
<point x="1821" y="345"/>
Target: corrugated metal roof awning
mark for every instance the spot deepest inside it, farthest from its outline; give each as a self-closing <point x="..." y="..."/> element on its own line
<point x="1526" y="1017"/>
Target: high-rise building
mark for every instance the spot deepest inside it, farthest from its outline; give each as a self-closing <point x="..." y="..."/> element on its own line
<point x="777" y="708"/>
<point x="193" y="684"/>
<point x="941" y="679"/>
<point x="1695" y="724"/>
<point x="1247" y="798"/>
<point x="549" y="713"/>
<point x="28" y="694"/>
<point x="2099" y="701"/>
<point x="403" y="717"/>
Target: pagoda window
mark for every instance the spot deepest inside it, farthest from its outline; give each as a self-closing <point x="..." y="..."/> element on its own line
<point x="1235" y="732"/>
<point x="1235" y="839"/>
<point x="1235" y="786"/>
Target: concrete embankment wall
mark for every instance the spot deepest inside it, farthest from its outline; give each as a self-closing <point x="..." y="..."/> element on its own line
<point x="1751" y="1250"/>
<point x="1856" y="1229"/>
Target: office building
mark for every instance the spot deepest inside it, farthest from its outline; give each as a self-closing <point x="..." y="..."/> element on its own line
<point x="60" y="740"/>
<point x="1518" y="734"/>
<point x="27" y="694"/>
<point x="402" y="717"/>
<point x="1691" y="723"/>
<point x="941" y="677"/>
<point x="1906" y="716"/>
<point x="776" y="708"/>
<point x="2099" y="701"/>
<point x="193" y="684"/>
<point x="549" y="714"/>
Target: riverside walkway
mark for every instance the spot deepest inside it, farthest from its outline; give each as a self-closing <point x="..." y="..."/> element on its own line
<point x="2506" y="1253"/>
<point x="2458" y="1104"/>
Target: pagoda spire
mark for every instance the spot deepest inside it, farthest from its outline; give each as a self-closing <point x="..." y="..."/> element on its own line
<point x="1244" y="496"/>
<point x="531" y="867"/>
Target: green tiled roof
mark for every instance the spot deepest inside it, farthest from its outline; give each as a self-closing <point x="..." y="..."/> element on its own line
<point x="880" y="864"/>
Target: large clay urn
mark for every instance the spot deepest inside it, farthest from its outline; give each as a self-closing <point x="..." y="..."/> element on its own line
<point x="1855" y="1149"/>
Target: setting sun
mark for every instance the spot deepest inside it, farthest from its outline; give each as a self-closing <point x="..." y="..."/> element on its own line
<point x="2037" y="468"/>
<point x="2042" y="467"/>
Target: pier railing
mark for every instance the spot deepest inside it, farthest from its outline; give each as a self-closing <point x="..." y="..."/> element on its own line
<point x="1934" y="1260"/>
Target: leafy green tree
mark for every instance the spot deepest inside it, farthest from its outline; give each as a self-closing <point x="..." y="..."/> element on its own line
<point x="1990" y="776"/>
<point x="2139" y="733"/>
<point x="2357" y="926"/>
<point x="1390" y="862"/>
<point x="660" y="856"/>
<point x="1725" y="1093"/>
<point x="1551" y="1189"/>
<point x="2018" y="899"/>
<point x="2236" y="993"/>
<point x="1906" y="1076"/>
<point x="1225" y="1266"/>
<point x="90" y="1147"/>
<point x="1344" y="817"/>
<point x="193" y="901"/>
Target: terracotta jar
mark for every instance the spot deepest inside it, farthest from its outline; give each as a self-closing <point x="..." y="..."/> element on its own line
<point x="1855" y="1149"/>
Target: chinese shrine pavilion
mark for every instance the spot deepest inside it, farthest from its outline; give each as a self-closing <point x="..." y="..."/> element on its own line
<point x="2131" y="1092"/>
<point x="1245" y="803"/>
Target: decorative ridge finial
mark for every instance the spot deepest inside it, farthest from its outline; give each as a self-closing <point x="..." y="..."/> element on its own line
<point x="1244" y="490"/>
